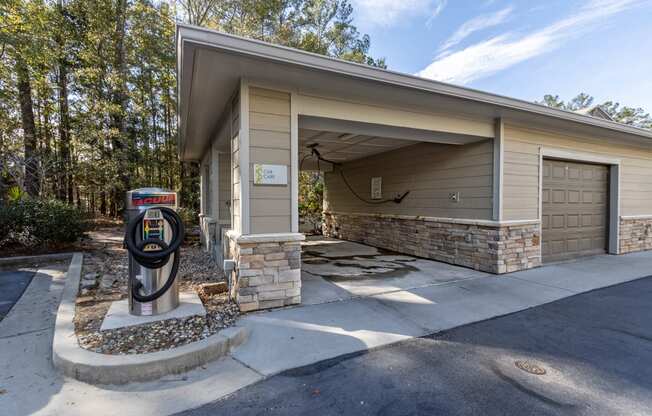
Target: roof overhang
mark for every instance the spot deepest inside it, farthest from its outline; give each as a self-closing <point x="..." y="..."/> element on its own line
<point x="211" y="64"/>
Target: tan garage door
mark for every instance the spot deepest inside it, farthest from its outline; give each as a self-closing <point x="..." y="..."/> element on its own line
<point x="575" y="210"/>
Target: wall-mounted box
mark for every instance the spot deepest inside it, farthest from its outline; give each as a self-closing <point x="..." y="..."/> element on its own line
<point x="376" y="187"/>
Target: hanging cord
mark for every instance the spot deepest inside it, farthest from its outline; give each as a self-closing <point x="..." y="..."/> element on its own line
<point x="396" y="200"/>
<point x="155" y="259"/>
<point x="315" y="152"/>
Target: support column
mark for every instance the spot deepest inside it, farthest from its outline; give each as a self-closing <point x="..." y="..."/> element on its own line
<point x="498" y="165"/>
<point x="267" y="247"/>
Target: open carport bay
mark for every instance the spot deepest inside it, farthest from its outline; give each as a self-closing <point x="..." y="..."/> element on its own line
<point x="335" y="270"/>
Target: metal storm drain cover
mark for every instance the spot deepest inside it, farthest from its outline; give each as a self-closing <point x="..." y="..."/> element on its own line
<point x="530" y="367"/>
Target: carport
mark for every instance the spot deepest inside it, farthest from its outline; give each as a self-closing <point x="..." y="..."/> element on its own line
<point x="335" y="270"/>
<point x="412" y="166"/>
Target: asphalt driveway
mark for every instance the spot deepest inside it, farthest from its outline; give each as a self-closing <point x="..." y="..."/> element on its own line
<point x="595" y="349"/>
<point x="12" y="286"/>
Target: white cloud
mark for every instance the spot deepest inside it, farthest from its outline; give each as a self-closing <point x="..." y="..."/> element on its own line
<point x="389" y="12"/>
<point x="437" y="8"/>
<point x="501" y="52"/>
<point x="475" y="25"/>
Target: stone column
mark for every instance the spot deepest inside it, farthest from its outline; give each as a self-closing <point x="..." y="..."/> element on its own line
<point x="268" y="270"/>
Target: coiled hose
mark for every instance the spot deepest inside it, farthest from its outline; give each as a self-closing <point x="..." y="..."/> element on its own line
<point x="155" y="259"/>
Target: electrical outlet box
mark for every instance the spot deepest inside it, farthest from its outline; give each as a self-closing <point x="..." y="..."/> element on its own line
<point x="376" y="187"/>
<point x="454" y="197"/>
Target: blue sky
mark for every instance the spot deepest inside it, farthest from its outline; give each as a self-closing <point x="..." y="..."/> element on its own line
<point x="522" y="49"/>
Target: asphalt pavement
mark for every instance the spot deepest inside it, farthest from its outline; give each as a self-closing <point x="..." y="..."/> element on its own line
<point x="12" y="286"/>
<point x="595" y="349"/>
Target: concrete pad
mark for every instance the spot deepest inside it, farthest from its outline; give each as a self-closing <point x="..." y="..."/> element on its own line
<point x="437" y="308"/>
<point x="340" y="262"/>
<point x="395" y="257"/>
<point x="118" y="315"/>
<point x="420" y="273"/>
<point x="343" y="270"/>
<point x="316" y="290"/>
<point x="333" y="248"/>
<point x="47" y="395"/>
<point x="591" y="273"/>
<point x="513" y="294"/>
<point x="442" y="307"/>
<point x="290" y="338"/>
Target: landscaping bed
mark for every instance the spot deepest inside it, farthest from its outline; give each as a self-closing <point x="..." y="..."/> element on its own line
<point x="104" y="280"/>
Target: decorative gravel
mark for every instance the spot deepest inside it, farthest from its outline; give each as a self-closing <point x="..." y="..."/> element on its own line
<point x="104" y="280"/>
<point x="161" y="335"/>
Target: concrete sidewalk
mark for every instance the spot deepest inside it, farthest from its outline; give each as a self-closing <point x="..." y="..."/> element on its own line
<point x="29" y="384"/>
<point x="290" y="338"/>
<point x="281" y="339"/>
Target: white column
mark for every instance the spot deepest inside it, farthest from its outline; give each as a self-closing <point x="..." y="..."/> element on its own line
<point x="245" y="218"/>
<point x="294" y="162"/>
<point x="498" y="165"/>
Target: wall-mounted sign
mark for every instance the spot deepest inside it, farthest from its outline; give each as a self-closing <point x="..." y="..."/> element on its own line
<point x="377" y="188"/>
<point x="270" y="174"/>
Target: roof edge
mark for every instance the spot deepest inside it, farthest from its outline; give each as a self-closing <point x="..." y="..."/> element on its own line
<point x="213" y="38"/>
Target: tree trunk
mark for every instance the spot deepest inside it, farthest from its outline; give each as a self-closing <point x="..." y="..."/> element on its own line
<point x="65" y="174"/>
<point x="183" y="189"/>
<point x="64" y="129"/>
<point x="119" y="99"/>
<point x="103" y="202"/>
<point x="31" y="183"/>
<point x="168" y="140"/>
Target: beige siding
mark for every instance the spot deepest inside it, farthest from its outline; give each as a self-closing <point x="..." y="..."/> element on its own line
<point x="399" y="117"/>
<point x="224" y="186"/>
<point x="520" y="180"/>
<point x="429" y="171"/>
<point x="269" y="143"/>
<point x="520" y="192"/>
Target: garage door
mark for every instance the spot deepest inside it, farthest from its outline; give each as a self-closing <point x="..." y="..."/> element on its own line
<point x="574" y="210"/>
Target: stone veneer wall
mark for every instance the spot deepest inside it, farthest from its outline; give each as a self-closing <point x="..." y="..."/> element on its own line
<point x="635" y="234"/>
<point x="268" y="270"/>
<point x="476" y="244"/>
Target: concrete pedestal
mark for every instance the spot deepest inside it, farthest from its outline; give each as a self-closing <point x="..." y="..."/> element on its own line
<point x="118" y="315"/>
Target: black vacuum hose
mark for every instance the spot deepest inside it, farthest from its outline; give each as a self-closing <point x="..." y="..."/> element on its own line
<point x="155" y="259"/>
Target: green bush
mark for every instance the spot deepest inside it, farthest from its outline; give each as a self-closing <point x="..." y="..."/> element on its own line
<point x="189" y="216"/>
<point x="30" y="222"/>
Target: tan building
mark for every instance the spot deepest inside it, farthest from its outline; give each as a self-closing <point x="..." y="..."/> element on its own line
<point x="488" y="182"/>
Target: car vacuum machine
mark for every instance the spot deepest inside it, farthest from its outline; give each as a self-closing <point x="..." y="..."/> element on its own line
<point x="153" y="237"/>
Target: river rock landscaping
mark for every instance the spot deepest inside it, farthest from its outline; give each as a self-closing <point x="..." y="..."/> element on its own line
<point x="104" y="280"/>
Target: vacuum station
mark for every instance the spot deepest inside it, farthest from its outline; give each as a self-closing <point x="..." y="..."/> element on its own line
<point x="153" y="238"/>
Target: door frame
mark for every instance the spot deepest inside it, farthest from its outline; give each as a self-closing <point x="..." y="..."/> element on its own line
<point x="614" y="186"/>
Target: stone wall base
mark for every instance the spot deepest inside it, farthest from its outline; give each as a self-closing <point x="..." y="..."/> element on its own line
<point x="635" y="235"/>
<point x="268" y="270"/>
<point x="478" y="245"/>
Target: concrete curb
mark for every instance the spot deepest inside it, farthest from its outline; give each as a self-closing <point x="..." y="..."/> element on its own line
<point x="96" y="368"/>
<point x="34" y="259"/>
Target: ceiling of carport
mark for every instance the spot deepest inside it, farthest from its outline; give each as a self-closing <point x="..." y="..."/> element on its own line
<point x="344" y="147"/>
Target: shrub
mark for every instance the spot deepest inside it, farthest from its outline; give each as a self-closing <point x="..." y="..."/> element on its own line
<point x="189" y="216"/>
<point x="30" y="221"/>
<point x="311" y="199"/>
